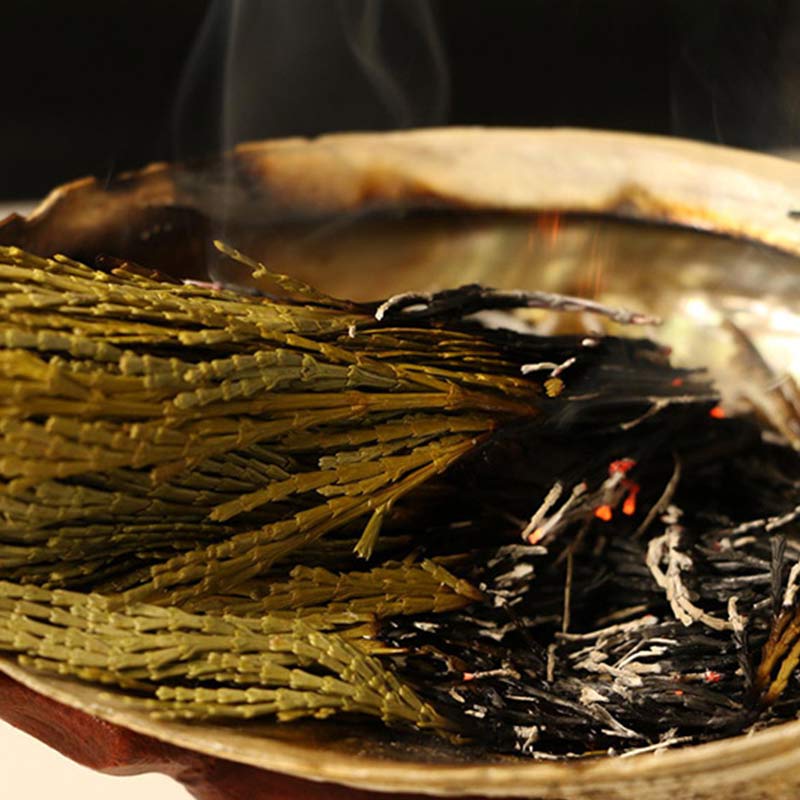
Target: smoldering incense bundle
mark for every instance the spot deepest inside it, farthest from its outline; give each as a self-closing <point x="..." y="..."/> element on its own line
<point x="226" y="505"/>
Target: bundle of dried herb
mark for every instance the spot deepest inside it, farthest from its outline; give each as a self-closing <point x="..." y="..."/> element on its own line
<point x="566" y="544"/>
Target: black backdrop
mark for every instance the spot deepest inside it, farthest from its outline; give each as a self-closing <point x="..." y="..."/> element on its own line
<point x="89" y="87"/>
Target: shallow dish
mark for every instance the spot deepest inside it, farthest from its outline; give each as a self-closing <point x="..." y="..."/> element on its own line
<point x="683" y="230"/>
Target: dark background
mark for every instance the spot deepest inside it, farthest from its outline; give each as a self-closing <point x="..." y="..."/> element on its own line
<point x="91" y="87"/>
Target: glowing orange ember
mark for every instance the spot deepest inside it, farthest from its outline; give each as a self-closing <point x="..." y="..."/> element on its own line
<point x="623" y="465"/>
<point x="718" y="412"/>
<point x="629" y="506"/>
<point x="534" y="537"/>
<point x="604" y="513"/>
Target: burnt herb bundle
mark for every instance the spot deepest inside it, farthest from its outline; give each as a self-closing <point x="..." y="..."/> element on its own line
<point x="226" y="505"/>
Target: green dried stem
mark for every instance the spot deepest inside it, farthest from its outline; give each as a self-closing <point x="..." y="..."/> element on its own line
<point x="183" y="448"/>
<point x="394" y="588"/>
<point x="142" y="646"/>
<point x="780" y="656"/>
<point x="222" y="567"/>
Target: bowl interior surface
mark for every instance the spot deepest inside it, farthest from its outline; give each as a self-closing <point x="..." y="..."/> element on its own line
<point x="691" y="279"/>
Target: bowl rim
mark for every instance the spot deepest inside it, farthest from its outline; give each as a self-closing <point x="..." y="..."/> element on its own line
<point x="712" y="765"/>
<point x="660" y="179"/>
